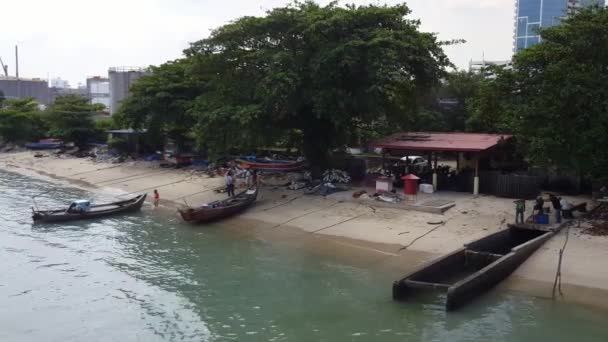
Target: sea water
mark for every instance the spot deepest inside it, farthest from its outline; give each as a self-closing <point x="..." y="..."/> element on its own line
<point x="148" y="277"/>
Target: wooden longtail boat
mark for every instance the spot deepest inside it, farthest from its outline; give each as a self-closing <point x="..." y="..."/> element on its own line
<point x="220" y="209"/>
<point x="272" y="165"/>
<point x="43" y="145"/>
<point x="99" y="210"/>
<point x="475" y="268"/>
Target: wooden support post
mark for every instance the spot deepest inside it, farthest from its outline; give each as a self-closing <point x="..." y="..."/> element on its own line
<point x="383" y="159"/>
<point x="435" y="183"/>
<point x="476" y="179"/>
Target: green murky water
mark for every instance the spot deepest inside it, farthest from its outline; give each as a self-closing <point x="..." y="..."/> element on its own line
<point x="148" y="277"/>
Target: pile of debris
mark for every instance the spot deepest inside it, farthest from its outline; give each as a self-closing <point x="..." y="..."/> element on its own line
<point x="597" y="221"/>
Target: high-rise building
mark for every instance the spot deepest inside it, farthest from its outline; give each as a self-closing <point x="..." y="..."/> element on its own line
<point x="121" y="79"/>
<point x="531" y="15"/>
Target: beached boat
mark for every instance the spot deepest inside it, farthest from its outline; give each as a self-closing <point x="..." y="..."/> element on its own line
<point x="81" y="210"/>
<point x="475" y="268"/>
<point x="272" y="165"/>
<point x="220" y="209"/>
<point x="45" y="144"/>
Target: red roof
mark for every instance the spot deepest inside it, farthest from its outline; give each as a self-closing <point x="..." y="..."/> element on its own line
<point x="435" y="142"/>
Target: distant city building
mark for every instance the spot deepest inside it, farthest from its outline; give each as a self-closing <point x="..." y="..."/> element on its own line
<point x="478" y="66"/>
<point x="98" y="90"/>
<point x="18" y="88"/>
<point x="531" y="15"/>
<point x="59" y="83"/>
<point x="57" y="92"/>
<point x="121" y="79"/>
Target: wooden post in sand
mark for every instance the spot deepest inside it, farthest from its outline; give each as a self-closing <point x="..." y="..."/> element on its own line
<point x="476" y="179"/>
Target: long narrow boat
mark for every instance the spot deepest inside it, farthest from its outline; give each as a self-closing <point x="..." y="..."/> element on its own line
<point x="95" y="211"/>
<point x="272" y="165"/>
<point x="475" y="268"/>
<point x="220" y="209"/>
<point x="43" y="145"/>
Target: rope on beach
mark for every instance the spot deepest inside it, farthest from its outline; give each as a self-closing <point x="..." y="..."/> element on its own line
<point x="133" y="177"/>
<point x="557" y="284"/>
<point x="337" y="224"/>
<point x="306" y="214"/>
<point x="284" y="203"/>
<point x="103" y="168"/>
<point x="421" y="236"/>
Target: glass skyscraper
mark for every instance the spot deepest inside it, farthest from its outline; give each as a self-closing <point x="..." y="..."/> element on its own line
<point x="534" y="14"/>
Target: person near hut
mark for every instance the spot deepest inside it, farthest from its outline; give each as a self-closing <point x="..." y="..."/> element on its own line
<point x="229" y="179"/>
<point x="520" y="209"/>
<point x="566" y="208"/>
<point x="557" y="207"/>
<point x="156" y="198"/>
<point x="538" y="206"/>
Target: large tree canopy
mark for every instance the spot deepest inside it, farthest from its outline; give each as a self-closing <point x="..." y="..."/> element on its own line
<point x="161" y="101"/>
<point x="21" y="120"/>
<point x="71" y="119"/>
<point x="326" y="75"/>
<point x="323" y="71"/>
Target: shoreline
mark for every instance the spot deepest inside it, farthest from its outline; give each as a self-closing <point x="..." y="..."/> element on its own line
<point x="389" y="240"/>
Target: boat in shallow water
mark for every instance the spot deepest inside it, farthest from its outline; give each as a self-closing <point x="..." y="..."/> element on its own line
<point x="80" y="210"/>
<point x="473" y="269"/>
<point x="220" y="209"/>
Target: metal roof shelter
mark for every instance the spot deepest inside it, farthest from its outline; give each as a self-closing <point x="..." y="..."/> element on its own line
<point x="441" y="142"/>
<point x="433" y="142"/>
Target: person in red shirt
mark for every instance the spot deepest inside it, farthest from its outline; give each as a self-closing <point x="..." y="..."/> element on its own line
<point x="156" y="198"/>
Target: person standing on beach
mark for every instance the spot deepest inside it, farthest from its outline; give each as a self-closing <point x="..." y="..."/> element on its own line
<point x="229" y="179"/>
<point x="558" y="208"/>
<point x="520" y="208"/>
<point x="156" y="198"/>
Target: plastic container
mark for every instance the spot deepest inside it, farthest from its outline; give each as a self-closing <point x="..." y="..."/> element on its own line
<point x="542" y="219"/>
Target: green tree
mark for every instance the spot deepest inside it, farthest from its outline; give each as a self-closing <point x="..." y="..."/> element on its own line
<point x="71" y="119"/>
<point x="161" y="102"/>
<point x="559" y="95"/>
<point x="490" y="110"/>
<point x="21" y="120"/>
<point x="2" y="98"/>
<point x="329" y="72"/>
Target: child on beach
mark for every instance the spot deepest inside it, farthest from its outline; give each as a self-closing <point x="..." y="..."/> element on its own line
<point x="156" y="198"/>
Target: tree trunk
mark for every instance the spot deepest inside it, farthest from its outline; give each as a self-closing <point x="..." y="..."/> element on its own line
<point x="317" y="144"/>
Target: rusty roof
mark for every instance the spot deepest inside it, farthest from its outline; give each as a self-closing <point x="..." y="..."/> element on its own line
<point x="437" y="142"/>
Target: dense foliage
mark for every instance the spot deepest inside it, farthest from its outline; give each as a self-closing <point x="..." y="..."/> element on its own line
<point x="555" y="97"/>
<point x="324" y="75"/>
<point x="71" y="119"/>
<point x="21" y="120"/>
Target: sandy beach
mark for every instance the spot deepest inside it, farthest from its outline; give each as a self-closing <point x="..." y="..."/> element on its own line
<point x="338" y="225"/>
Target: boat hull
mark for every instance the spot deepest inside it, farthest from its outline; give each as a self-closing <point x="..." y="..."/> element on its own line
<point x="206" y="214"/>
<point x="61" y="215"/>
<point x="470" y="271"/>
<point x="275" y="165"/>
<point x="43" y="146"/>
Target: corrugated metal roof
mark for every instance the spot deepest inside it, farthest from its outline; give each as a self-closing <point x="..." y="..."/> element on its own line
<point x="436" y="142"/>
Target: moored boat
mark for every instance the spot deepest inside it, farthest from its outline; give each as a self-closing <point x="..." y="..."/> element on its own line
<point x="81" y="210"/>
<point x="469" y="271"/>
<point x="272" y="165"/>
<point x="45" y="144"/>
<point x="220" y="209"/>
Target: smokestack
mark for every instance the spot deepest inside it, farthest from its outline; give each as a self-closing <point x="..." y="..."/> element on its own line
<point x="17" y="61"/>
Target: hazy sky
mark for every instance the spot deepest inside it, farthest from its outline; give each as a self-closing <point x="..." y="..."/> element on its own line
<point x="73" y="39"/>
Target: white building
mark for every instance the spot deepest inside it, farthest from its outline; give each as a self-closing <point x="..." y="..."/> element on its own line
<point x="59" y="83"/>
<point x="98" y="90"/>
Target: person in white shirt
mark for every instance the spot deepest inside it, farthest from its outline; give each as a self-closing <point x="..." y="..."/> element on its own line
<point x="229" y="179"/>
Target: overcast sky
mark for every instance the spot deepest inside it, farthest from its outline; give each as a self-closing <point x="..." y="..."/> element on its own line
<point x="73" y="39"/>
